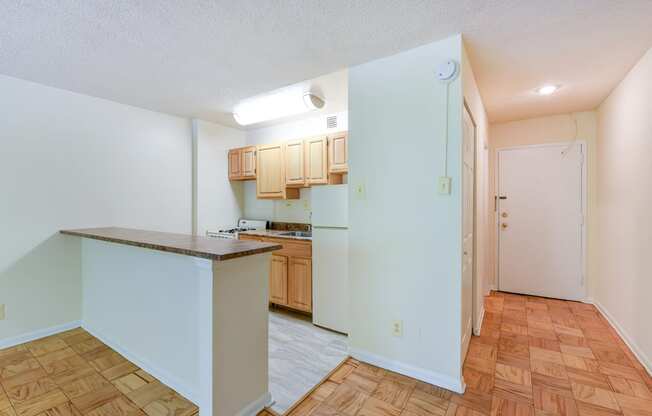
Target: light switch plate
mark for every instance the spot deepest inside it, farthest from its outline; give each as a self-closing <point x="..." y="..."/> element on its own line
<point x="2" y="312"/>
<point x="360" y="191"/>
<point x="444" y="185"/>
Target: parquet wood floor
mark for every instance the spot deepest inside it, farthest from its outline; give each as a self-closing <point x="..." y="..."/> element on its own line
<point x="74" y="374"/>
<point x="534" y="357"/>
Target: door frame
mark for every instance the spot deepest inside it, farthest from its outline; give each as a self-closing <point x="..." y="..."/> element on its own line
<point x="583" y="197"/>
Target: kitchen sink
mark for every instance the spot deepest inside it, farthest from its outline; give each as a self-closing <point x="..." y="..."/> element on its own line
<point x="303" y="234"/>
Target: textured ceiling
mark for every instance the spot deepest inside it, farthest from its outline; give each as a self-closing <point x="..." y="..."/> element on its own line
<point x="198" y="58"/>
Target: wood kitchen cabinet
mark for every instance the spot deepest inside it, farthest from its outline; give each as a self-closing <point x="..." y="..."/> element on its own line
<point x="316" y="160"/>
<point x="290" y="273"/>
<point x="270" y="173"/>
<point x="306" y="162"/>
<point x="242" y="163"/>
<point x="278" y="280"/>
<point x="295" y="166"/>
<point x="338" y="153"/>
<point x="300" y="284"/>
<point x="280" y="169"/>
<point x="234" y="164"/>
<point x="248" y="162"/>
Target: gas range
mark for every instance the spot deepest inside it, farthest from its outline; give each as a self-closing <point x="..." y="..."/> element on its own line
<point x="243" y="225"/>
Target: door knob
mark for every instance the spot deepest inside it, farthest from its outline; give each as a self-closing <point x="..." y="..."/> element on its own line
<point x="503" y="225"/>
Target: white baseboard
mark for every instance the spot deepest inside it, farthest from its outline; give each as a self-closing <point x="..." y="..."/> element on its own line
<point x="638" y="352"/>
<point x="427" y="376"/>
<point x="162" y="375"/>
<point x="253" y="408"/>
<point x="34" y="335"/>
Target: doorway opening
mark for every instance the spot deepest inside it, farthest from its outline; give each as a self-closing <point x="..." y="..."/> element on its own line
<point x="301" y="355"/>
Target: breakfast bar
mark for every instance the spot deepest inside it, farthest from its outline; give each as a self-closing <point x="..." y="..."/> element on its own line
<point x="190" y="310"/>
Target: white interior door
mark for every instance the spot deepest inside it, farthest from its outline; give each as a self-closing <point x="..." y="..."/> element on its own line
<point x="468" y="228"/>
<point x="540" y="210"/>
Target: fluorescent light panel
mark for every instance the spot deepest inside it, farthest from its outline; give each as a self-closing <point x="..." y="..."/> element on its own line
<point x="278" y="104"/>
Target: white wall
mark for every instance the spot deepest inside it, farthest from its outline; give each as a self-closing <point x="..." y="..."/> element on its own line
<point x="623" y="283"/>
<point x="148" y="305"/>
<point x="70" y="161"/>
<point x="474" y="103"/>
<point x="299" y="129"/>
<point x="290" y="210"/>
<point x="551" y="129"/>
<point x="219" y="202"/>
<point x="405" y="238"/>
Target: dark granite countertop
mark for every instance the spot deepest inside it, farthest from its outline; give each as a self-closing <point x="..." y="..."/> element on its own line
<point x="189" y="245"/>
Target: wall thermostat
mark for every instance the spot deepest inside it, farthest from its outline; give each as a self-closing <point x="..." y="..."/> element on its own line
<point x="447" y="71"/>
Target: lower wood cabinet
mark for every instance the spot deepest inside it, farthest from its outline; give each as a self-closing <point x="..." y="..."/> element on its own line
<point x="300" y="284"/>
<point x="290" y="273"/>
<point x="278" y="280"/>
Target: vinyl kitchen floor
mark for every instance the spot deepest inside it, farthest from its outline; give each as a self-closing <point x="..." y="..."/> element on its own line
<point x="300" y="356"/>
<point x="535" y="357"/>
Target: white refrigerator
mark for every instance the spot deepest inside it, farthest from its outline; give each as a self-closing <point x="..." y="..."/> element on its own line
<point x="330" y="257"/>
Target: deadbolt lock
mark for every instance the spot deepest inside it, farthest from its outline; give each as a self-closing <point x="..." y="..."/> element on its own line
<point x="504" y="215"/>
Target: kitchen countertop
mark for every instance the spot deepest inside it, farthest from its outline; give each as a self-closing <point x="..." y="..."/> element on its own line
<point x="189" y="245"/>
<point x="275" y="234"/>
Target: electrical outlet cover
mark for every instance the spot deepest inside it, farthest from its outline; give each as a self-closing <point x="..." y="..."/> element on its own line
<point x="397" y="328"/>
<point x="444" y="185"/>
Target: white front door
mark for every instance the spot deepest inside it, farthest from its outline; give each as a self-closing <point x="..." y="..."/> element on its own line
<point x="540" y="210"/>
<point x="468" y="221"/>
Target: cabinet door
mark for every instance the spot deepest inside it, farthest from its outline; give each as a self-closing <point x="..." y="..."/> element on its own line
<point x="294" y="164"/>
<point x="278" y="280"/>
<point x="248" y="162"/>
<point x="300" y="284"/>
<point x="317" y="160"/>
<point x="234" y="164"/>
<point x="338" y="153"/>
<point x="270" y="172"/>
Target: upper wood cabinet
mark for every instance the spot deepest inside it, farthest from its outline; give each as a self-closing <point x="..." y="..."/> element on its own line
<point x="270" y="181"/>
<point x="242" y="163"/>
<point x="317" y="160"/>
<point x="270" y="173"/>
<point x="280" y="169"/>
<point x="338" y="153"/>
<point x="295" y="167"/>
<point x="248" y="162"/>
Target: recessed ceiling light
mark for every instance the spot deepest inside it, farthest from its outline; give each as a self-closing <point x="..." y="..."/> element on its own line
<point x="547" y="89"/>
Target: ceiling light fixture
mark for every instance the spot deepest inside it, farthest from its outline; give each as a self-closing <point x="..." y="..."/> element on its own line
<point x="279" y="104"/>
<point x="547" y="89"/>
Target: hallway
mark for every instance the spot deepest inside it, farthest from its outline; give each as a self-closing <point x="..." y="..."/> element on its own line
<point x="535" y="357"/>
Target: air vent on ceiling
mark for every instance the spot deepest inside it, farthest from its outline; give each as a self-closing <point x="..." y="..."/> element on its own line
<point x="331" y="122"/>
